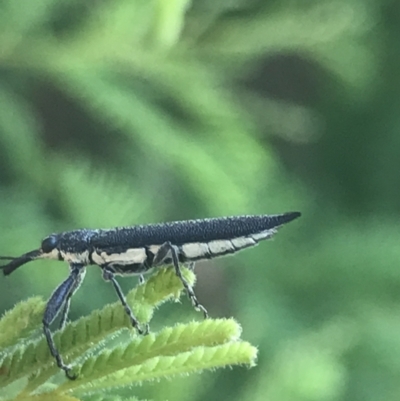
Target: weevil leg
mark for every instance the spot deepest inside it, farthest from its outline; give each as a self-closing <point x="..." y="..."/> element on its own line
<point x="108" y="275"/>
<point x="64" y="313"/>
<point x="53" y="307"/>
<point x="191" y="266"/>
<point x="141" y="279"/>
<point x="163" y="253"/>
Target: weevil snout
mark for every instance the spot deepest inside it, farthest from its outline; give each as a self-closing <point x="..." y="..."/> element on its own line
<point x="19" y="261"/>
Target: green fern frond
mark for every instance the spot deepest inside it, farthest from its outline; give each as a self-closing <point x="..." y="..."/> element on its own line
<point x="20" y="321"/>
<point x="195" y="360"/>
<point x="170" y="341"/>
<point x="105" y="360"/>
<point x="94" y="329"/>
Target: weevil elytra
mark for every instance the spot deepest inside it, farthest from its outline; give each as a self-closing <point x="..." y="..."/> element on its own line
<point x="137" y="250"/>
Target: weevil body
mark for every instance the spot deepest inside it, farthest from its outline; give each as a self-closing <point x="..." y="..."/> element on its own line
<point x="137" y="250"/>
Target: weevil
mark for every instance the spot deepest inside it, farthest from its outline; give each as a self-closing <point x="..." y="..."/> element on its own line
<point x="137" y="250"/>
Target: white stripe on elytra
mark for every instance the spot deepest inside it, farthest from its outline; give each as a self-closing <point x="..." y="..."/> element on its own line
<point x="154" y="249"/>
<point x="243" y="242"/>
<point x="195" y="250"/>
<point x="200" y="250"/>
<point x="264" y="234"/>
<point x="221" y="247"/>
<point x="130" y="256"/>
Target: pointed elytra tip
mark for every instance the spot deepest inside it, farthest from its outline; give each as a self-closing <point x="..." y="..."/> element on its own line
<point x="288" y="217"/>
<point x="293" y="215"/>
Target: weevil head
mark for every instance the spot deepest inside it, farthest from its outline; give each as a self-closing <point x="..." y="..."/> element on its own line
<point x="70" y="246"/>
<point x="47" y="250"/>
<point x="49" y="245"/>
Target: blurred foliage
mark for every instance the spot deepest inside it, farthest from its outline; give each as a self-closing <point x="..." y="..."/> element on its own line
<point x="130" y="111"/>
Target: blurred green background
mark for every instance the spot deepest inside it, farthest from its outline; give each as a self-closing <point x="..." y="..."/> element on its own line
<point x="121" y="112"/>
